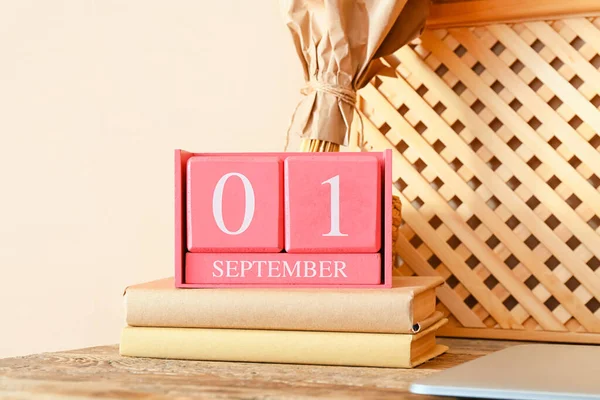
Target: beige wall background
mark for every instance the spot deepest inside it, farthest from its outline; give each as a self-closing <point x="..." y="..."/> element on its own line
<point x="94" y="97"/>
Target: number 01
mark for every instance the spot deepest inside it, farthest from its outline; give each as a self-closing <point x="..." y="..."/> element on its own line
<point x="217" y="204"/>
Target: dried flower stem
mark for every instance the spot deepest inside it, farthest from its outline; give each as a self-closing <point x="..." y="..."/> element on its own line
<point x="318" y="146"/>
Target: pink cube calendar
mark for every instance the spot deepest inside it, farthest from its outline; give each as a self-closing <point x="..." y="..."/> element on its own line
<point x="232" y="215"/>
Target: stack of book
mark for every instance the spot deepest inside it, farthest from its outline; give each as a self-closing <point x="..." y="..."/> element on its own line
<point x="358" y="327"/>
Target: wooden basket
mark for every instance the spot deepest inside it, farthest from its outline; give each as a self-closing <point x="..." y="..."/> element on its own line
<point x="494" y="132"/>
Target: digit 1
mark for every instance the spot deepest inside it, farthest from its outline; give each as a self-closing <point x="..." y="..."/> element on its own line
<point x="218" y="203"/>
<point x="334" y="183"/>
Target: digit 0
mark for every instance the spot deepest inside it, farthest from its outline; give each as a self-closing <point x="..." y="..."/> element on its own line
<point x="217" y="203"/>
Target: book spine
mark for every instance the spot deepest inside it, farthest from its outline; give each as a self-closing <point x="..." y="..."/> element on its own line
<point x="339" y="311"/>
<point x="324" y="348"/>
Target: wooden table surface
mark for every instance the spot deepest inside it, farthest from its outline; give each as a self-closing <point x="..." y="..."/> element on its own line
<point x="99" y="372"/>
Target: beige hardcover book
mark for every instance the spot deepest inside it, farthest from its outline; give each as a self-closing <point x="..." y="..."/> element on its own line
<point x="294" y="347"/>
<point x="408" y="307"/>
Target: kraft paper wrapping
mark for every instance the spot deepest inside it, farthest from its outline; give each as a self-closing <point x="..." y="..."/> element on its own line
<point x="159" y="304"/>
<point x="339" y="43"/>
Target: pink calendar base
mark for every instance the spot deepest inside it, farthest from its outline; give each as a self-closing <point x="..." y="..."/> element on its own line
<point x="184" y="268"/>
<point x="282" y="269"/>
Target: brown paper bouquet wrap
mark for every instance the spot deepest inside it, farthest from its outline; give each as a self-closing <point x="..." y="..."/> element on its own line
<point x="339" y="43"/>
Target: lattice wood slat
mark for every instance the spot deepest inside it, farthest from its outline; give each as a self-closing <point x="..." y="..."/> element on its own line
<point x="495" y="138"/>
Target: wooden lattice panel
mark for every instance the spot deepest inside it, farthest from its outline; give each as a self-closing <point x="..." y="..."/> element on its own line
<point x="495" y="138"/>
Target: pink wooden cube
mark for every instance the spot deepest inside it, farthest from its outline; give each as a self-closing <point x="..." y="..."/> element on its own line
<point x="332" y="204"/>
<point x="235" y="203"/>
